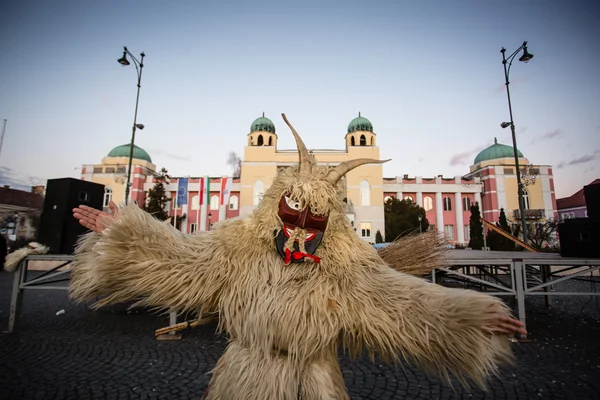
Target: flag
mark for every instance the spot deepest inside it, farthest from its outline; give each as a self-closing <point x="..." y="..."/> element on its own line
<point x="206" y="191"/>
<point x="201" y="191"/>
<point x="182" y="191"/>
<point x="225" y="190"/>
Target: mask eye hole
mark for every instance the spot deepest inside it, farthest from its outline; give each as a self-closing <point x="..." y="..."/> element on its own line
<point x="293" y="204"/>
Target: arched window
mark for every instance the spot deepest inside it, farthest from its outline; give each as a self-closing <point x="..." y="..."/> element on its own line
<point x="427" y="203"/>
<point x="257" y="192"/>
<point x="233" y="203"/>
<point x="214" y="202"/>
<point x="363" y="140"/>
<point x="466" y="203"/>
<point x="447" y="204"/>
<point x="260" y="140"/>
<point x="195" y="202"/>
<point x="409" y="198"/>
<point x="107" y="196"/>
<point x="372" y="140"/>
<point x="386" y="199"/>
<point x="525" y="199"/>
<point x="352" y="142"/>
<point x="270" y="140"/>
<point x="365" y="193"/>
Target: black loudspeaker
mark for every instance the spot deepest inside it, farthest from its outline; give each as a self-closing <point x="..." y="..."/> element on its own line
<point x="59" y="230"/>
<point x="592" y="200"/>
<point x="579" y="237"/>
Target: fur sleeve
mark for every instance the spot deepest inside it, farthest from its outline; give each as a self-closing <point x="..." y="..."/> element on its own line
<point x="143" y="259"/>
<point x="397" y="316"/>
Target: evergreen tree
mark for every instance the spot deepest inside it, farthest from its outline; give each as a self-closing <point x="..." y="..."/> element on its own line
<point x="157" y="197"/>
<point x="476" y="228"/>
<point x="505" y="243"/>
<point x="402" y="217"/>
<point x="378" y="237"/>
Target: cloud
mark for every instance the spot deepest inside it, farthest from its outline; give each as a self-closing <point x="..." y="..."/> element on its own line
<point x="555" y="134"/>
<point x="16" y="180"/>
<point x="581" y="160"/>
<point x="465" y="157"/>
<point x="157" y="152"/>
<point x="460" y="158"/>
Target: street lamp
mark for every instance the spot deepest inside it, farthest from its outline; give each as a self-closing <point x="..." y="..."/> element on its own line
<point x="125" y="62"/>
<point x="524" y="58"/>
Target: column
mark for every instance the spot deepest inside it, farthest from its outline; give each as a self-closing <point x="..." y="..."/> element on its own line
<point x="399" y="195"/>
<point x="439" y="212"/>
<point x="460" y="230"/>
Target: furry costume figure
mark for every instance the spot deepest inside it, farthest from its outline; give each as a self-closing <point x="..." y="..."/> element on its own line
<point x="291" y="284"/>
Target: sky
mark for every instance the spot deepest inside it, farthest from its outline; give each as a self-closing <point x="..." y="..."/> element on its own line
<point x="427" y="74"/>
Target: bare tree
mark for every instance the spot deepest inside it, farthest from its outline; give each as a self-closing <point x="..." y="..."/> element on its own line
<point x="541" y="235"/>
<point x="235" y="162"/>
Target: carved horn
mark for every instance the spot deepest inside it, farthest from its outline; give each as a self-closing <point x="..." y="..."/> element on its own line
<point x="305" y="167"/>
<point x="342" y="169"/>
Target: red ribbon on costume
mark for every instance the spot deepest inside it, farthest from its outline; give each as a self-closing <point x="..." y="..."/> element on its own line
<point x="297" y="255"/>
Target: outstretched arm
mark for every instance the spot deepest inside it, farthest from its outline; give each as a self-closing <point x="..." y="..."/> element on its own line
<point x="441" y="330"/>
<point x="130" y="255"/>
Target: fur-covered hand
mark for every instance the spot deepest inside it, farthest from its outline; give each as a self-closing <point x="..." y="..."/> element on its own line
<point x="504" y="325"/>
<point x="95" y="220"/>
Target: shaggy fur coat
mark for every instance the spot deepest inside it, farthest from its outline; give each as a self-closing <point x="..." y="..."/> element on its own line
<point x="286" y="322"/>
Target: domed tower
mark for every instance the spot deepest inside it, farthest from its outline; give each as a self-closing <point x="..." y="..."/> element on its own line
<point x="262" y="132"/>
<point x="123" y="151"/>
<point x="360" y="132"/>
<point x="497" y="154"/>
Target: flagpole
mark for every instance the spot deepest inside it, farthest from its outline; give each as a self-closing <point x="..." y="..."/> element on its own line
<point x="185" y="208"/>
<point x="203" y="208"/>
<point x="175" y="210"/>
<point x="200" y="194"/>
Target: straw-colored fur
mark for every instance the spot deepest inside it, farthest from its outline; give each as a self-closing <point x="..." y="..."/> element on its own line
<point x="286" y="323"/>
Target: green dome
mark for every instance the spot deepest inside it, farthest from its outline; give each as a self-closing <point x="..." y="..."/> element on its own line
<point x="360" y="124"/>
<point x="262" y="124"/>
<point x="123" y="151"/>
<point x="496" y="151"/>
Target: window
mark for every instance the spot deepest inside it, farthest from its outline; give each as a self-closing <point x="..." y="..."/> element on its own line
<point x="525" y="199"/>
<point x="427" y="203"/>
<point x="233" y="203"/>
<point x="466" y="203"/>
<point x="270" y="141"/>
<point x="98" y="170"/>
<point x="107" y="196"/>
<point x="365" y="229"/>
<point x="196" y="202"/>
<point x="352" y="142"/>
<point x="214" y="202"/>
<point x="449" y="232"/>
<point x="372" y="140"/>
<point x="409" y="198"/>
<point x="110" y="170"/>
<point x="260" y="140"/>
<point x="387" y="198"/>
<point x="365" y="193"/>
<point x="447" y="204"/>
<point x="257" y="192"/>
<point x="174" y="201"/>
<point x="363" y="140"/>
<point x="193" y="228"/>
<point x="467" y="233"/>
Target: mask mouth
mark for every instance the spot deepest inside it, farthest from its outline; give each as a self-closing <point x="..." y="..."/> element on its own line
<point x="289" y="229"/>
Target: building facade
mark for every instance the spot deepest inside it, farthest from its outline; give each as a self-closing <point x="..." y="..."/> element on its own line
<point x="364" y="185"/>
<point x="491" y="183"/>
<point x="447" y="201"/>
<point x="495" y="167"/>
<point x="574" y="206"/>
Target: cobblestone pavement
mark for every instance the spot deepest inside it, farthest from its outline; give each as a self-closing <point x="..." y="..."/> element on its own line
<point x="113" y="355"/>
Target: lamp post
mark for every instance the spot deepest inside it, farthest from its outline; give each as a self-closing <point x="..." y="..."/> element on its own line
<point x="524" y="58"/>
<point x="124" y="62"/>
<point x="420" y="226"/>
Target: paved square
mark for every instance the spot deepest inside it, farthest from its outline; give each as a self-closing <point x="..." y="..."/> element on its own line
<point x="113" y="355"/>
